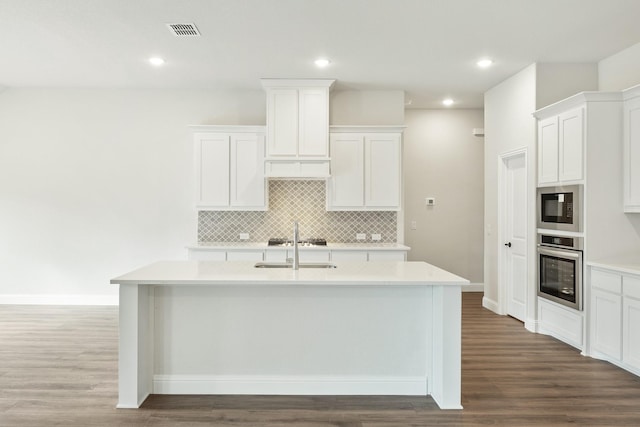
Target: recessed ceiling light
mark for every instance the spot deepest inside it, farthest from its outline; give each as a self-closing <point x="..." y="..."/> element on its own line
<point x="448" y="102"/>
<point x="322" y="62"/>
<point x="484" y="63"/>
<point x="156" y="60"/>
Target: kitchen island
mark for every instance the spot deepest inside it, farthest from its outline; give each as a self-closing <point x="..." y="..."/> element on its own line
<point x="205" y="327"/>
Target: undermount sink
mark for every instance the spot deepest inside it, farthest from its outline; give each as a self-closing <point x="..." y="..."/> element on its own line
<point x="289" y="265"/>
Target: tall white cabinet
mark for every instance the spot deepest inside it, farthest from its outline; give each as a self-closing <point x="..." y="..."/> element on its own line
<point x="229" y="167"/>
<point x="297" y="127"/>
<point x="631" y="149"/>
<point x="561" y="148"/>
<point x="366" y="168"/>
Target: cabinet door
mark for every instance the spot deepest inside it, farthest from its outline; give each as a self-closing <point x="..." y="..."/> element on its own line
<point x="548" y="151"/>
<point x="313" y="123"/>
<point x="631" y="332"/>
<point x="247" y="170"/>
<point x="632" y="155"/>
<point x="212" y="169"/>
<point x="387" y="256"/>
<point x="346" y="185"/>
<point x="337" y="256"/>
<point x="282" y="122"/>
<point x="382" y="170"/>
<point x="606" y="323"/>
<point x="571" y="143"/>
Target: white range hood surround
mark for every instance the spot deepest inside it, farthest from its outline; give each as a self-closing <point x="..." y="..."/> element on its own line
<point x="297" y="128"/>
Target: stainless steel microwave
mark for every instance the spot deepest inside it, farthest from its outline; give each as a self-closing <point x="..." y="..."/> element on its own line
<point x="560" y="208"/>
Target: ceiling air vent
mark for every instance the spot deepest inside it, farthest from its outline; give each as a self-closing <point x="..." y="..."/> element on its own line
<point x="184" y="30"/>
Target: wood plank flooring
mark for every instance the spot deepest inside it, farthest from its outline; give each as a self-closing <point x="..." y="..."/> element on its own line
<point x="58" y="367"/>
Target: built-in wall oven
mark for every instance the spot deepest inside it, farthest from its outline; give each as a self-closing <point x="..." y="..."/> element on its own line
<point x="560" y="269"/>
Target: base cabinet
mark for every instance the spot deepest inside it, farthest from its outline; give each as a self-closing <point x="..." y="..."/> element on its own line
<point x="615" y="317"/>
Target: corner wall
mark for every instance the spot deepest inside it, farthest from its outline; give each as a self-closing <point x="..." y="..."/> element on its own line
<point x="444" y="160"/>
<point x="509" y="126"/>
<point x="620" y="71"/>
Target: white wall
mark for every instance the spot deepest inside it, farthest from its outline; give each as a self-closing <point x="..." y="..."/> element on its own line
<point x="620" y="71"/>
<point x="555" y="82"/>
<point x="94" y="183"/>
<point x="443" y="159"/>
<point x="509" y="126"/>
<point x="352" y="107"/>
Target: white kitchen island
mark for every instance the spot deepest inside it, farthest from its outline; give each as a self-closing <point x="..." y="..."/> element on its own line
<point x="363" y="328"/>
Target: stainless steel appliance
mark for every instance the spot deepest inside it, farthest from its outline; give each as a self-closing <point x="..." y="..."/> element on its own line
<point x="282" y="241"/>
<point x="560" y="269"/>
<point x="560" y="208"/>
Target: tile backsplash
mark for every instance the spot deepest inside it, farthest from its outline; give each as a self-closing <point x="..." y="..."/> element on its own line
<point x="302" y="200"/>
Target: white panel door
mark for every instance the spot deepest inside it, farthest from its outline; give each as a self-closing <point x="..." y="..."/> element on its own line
<point x="313" y="139"/>
<point x="548" y="151"/>
<point x="382" y="170"/>
<point x="570" y="145"/>
<point x="516" y="236"/>
<point x="247" y="170"/>
<point x="606" y="323"/>
<point x="346" y="185"/>
<point x="212" y="158"/>
<point x="282" y="122"/>
<point x="631" y="332"/>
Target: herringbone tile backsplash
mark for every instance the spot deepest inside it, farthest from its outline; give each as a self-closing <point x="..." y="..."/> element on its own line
<point x="291" y="200"/>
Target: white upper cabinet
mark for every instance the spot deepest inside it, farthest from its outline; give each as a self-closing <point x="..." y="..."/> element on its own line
<point x="229" y="167"/>
<point x="631" y="156"/>
<point x="297" y="118"/>
<point x="561" y="148"/>
<point x="366" y="168"/>
<point x="548" y="150"/>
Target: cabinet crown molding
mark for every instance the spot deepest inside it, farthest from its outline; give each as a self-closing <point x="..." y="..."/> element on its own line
<point x="632" y="92"/>
<point x="577" y="100"/>
<point x="297" y="83"/>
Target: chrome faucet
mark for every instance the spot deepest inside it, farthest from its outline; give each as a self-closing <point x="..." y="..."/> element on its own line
<point x="296" y="259"/>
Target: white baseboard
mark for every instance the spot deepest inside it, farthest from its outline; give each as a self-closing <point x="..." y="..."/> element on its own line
<point x="490" y="305"/>
<point x="282" y="385"/>
<point x="40" y="299"/>
<point x="473" y="287"/>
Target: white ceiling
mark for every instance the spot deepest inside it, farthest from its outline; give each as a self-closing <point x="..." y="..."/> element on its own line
<point x="428" y="48"/>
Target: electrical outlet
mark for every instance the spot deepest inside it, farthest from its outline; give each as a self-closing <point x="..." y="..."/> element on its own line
<point x="414" y="225"/>
<point x="361" y="236"/>
<point x="244" y="236"/>
<point x="376" y="237"/>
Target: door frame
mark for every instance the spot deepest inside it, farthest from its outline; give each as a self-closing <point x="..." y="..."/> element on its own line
<point x="503" y="292"/>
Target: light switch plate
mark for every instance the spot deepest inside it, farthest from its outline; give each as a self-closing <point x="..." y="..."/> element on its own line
<point x="244" y="236"/>
<point x="361" y="236"/>
<point x="376" y="237"/>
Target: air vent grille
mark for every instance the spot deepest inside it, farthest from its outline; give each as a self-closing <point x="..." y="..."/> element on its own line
<point x="184" y="30"/>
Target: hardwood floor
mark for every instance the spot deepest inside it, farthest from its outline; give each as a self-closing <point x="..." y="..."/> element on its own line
<point x="58" y="367"/>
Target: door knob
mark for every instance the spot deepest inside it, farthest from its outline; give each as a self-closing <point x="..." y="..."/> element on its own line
<point x="508" y="244"/>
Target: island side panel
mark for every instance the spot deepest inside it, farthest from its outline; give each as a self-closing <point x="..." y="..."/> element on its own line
<point x="291" y="340"/>
<point x="447" y="347"/>
<point x="135" y="365"/>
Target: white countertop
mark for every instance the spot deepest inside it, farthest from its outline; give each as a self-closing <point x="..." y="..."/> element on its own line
<point x="627" y="263"/>
<point x="384" y="273"/>
<point x="330" y="246"/>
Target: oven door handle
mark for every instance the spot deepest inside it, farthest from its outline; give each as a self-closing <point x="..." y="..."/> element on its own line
<point x="560" y="253"/>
